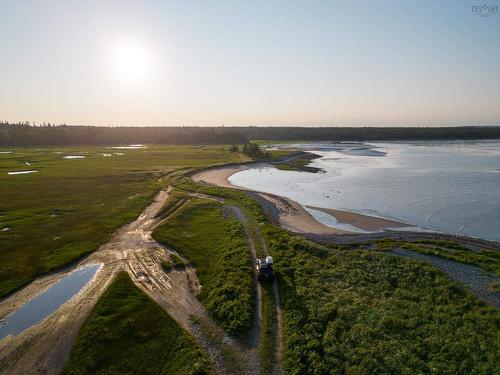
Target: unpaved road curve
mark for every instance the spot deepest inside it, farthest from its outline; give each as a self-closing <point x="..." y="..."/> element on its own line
<point x="45" y="347"/>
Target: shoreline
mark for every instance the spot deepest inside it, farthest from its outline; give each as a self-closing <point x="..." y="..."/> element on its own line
<point x="361" y="221"/>
<point x="292" y="215"/>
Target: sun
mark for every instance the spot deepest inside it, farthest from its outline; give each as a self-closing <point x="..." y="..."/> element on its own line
<point x="132" y="61"/>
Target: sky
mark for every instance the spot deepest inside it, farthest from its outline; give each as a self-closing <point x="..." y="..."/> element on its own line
<point x="230" y="62"/>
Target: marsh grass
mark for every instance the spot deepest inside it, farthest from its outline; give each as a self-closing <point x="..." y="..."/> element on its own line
<point x="70" y="207"/>
<point x="358" y="311"/>
<point x="122" y="337"/>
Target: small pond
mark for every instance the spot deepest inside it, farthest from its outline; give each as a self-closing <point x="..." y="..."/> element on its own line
<point x="47" y="302"/>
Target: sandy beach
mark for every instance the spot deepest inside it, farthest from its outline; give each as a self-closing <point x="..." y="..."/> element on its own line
<point x="292" y="216"/>
<point x="219" y="176"/>
<point x="295" y="218"/>
<point x="365" y="222"/>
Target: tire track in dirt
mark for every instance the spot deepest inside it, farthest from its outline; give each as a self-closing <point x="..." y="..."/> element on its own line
<point x="240" y="215"/>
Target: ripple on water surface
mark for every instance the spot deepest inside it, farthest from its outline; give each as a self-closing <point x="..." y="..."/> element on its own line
<point x="47" y="302"/>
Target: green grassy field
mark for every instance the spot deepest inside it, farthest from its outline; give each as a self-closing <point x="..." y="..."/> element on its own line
<point x="71" y="206"/>
<point x="215" y="245"/>
<point x="120" y="337"/>
<point x="365" y="312"/>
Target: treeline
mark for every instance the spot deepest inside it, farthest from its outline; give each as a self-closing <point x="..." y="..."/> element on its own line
<point x="251" y="149"/>
<point x="369" y="133"/>
<point x="24" y="134"/>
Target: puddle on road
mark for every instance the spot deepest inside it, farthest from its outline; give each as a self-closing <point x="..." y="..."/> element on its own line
<point x="49" y="301"/>
<point x="21" y="172"/>
<point x="74" y="157"/>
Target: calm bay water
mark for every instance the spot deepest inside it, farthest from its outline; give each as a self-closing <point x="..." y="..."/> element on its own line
<point x="452" y="187"/>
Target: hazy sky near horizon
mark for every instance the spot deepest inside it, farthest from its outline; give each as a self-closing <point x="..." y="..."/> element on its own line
<point x="351" y="63"/>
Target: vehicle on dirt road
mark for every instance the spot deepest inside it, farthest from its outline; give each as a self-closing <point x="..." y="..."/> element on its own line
<point x="264" y="269"/>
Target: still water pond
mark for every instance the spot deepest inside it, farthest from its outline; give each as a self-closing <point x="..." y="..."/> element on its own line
<point x="49" y="301"/>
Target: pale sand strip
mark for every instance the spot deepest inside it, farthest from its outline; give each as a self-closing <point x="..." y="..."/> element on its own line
<point x="365" y="222"/>
<point x="295" y="218"/>
<point x="219" y="176"/>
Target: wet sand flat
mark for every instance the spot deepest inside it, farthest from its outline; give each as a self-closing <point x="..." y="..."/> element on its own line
<point x="365" y="222"/>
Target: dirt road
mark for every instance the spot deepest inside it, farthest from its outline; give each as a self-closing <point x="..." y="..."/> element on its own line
<point x="45" y="347"/>
<point x="240" y="215"/>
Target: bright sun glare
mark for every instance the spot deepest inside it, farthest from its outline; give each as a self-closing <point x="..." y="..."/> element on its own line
<point x="132" y="61"/>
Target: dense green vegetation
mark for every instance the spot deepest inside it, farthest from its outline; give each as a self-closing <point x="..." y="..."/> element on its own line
<point x="267" y="348"/>
<point x="122" y="337"/>
<point x="22" y="134"/>
<point x="287" y="133"/>
<point x="71" y="206"/>
<point x="216" y="247"/>
<point x="488" y="260"/>
<point x="362" y="312"/>
<point x="253" y="150"/>
<point x="299" y="164"/>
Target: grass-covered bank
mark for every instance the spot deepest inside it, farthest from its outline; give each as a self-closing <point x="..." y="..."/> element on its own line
<point x="489" y="260"/>
<point x="363" y="312"/>
<point x="216" y="247"/>
<point x="122" y="337"/>
<point x="268" y="331"/>
<point x="71" y="206"/>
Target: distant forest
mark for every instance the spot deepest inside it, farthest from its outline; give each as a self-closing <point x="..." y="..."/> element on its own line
<point x="24" y="134"/>
<point x="61" y="135"/>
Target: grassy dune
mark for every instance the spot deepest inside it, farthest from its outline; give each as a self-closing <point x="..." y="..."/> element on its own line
<point x="217" y="249"/>
<point x="120" y="337"/>
<point x="70" y="207"/>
